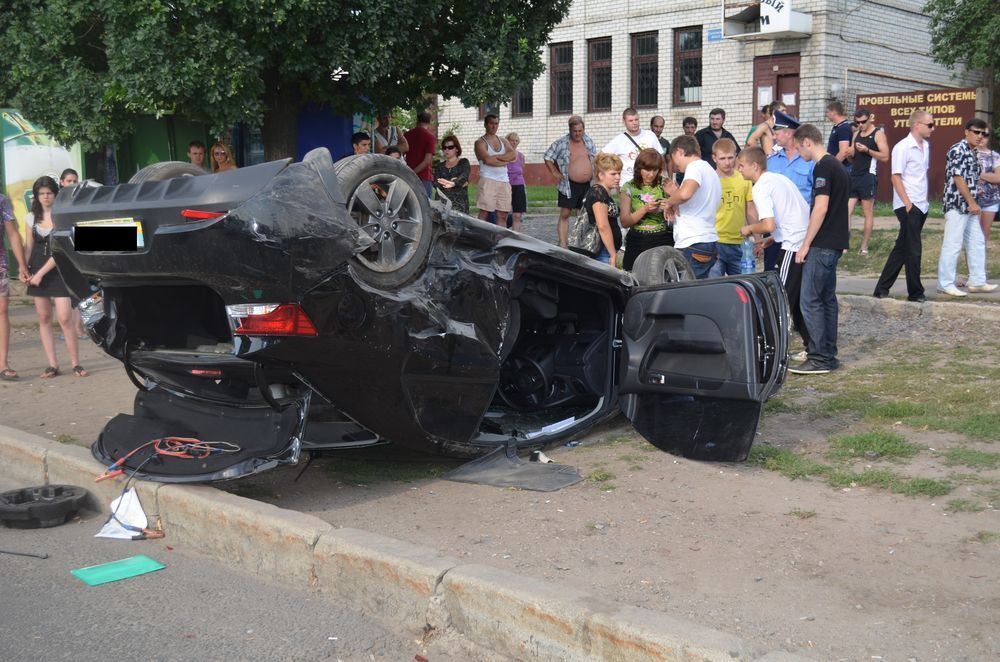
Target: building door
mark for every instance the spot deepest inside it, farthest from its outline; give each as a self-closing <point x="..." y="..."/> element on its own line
<point x="776" y="78"/>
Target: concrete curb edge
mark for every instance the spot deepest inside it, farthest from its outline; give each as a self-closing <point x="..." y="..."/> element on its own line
<point x="512" y="615"/>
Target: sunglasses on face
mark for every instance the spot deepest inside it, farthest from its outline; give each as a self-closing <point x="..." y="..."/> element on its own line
<point x="448" y="147"/>
<point x="929" y="124"/>
<point x="981" y="132"/>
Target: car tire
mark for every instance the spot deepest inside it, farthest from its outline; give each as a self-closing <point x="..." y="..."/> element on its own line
<point x="662" y="264"/>
<point x="166" y="170"/>
<point x="388" y="202"/>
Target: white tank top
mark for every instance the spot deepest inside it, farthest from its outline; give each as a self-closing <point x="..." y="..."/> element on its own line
<point x="496" y="173"/>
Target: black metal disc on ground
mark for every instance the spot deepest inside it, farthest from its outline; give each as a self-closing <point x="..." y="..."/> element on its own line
<point x="41" y="506"/>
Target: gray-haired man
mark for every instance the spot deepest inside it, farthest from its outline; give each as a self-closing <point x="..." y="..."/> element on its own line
<point x="570" y="160"/>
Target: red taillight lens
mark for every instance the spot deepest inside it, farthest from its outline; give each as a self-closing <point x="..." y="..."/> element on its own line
<point x="199" y="215"/>
<point x="204" y="372"/>
<point x="286" y="319"/>
<point x="742" y="295"/>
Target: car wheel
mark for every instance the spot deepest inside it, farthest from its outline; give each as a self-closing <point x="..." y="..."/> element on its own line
<point x="662" y="264"/>
<point x="166" y="170"/>
<point x="388" y="202"/>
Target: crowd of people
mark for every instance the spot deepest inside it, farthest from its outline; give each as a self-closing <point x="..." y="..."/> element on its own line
<point x="785" y="187"/>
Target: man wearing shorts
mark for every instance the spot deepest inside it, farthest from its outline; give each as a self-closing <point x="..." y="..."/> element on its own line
<point x="9" y="224"/>
<point x="570" y="160"/>
<point x="494" y="153"/>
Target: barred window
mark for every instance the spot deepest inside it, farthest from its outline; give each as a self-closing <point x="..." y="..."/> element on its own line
<point x="561" y="78"/>
<point x="599" y="74"/>
<point x="645" y="70"/>
<point x="489" y="109"/>
<point x="523" y="102"/>
<point x="687" y="65"/>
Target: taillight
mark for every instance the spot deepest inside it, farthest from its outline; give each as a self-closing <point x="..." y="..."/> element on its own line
<point x="270" y="319"/>
<point x="199" y="215"/>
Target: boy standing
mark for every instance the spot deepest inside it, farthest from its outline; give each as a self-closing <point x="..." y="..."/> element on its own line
<point x="825" y="241"/>
<point x="961" y="214"/>
<point x="784" y="213"/>
<point x="693" y="205"/>
<point x="735" y="210"/>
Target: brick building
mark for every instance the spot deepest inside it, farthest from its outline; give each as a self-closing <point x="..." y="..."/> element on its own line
<point x="681" y="58"/>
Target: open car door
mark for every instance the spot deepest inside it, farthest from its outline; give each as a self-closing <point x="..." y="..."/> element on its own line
<point x="699" y="359"/>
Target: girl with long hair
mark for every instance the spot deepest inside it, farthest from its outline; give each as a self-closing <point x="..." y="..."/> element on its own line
<point x="641" y="207"/>
<point x="45" y="283"/>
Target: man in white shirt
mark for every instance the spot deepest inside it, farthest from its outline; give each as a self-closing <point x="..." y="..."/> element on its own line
<point x="784" y="213"/>
<point x="910" y="160"/>
<point x="693" y="205"/>
<point x="629" y="143"/>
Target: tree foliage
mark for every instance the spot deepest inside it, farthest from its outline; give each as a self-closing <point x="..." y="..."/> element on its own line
<point x="966" y="31"/>
<point x="86" y="70"/>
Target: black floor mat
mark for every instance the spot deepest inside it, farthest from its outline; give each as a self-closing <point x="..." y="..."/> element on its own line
<point x="503" y="468"/>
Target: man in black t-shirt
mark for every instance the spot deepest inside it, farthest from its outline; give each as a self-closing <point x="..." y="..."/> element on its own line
<point x="826" y="240"/>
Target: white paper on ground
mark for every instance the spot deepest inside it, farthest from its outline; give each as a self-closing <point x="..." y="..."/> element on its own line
<point x="125" y="509"/>
<point x="554" y="427"/>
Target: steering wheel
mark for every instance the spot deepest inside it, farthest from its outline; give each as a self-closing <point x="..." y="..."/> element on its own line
<point x="524" y="383"/>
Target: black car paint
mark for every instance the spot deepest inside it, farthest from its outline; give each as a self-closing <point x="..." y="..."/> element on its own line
<point x="418" y="364"/>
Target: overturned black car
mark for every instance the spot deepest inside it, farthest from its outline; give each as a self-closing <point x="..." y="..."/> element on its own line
<point x="304" y="306"/>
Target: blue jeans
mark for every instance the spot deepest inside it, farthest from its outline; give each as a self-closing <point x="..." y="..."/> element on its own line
<point x="961" y="230"/>
<point x="603" y="256"/>
<point x="728" y="264"/>
<point x="428" y="188"/>
<point x="818" y="302"/>
<point x="701" y="257"/>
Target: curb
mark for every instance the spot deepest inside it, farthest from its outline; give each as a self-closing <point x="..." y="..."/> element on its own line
<point x="508" y="614"/>
<point x="943" y="310"/>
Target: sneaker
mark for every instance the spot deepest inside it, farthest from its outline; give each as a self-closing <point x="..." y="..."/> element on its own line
<point x="799" y="356"/>
<point x="985" y="287"/>
<point x="920" y="298"/>
<point x="878" y="294"/>
<point x="952" y="291"/>
<point x="809" y="368"/>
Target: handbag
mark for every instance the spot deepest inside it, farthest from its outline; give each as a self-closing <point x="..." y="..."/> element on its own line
<point x="584" y="237"/>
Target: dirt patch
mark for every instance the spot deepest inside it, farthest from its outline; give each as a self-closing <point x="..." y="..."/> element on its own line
<point x="847" y="572"/>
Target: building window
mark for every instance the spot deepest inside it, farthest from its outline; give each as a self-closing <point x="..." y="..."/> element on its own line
<point x="561" y="78"/>
<point x="645" y="70"/>
<point x="687" y="65"/>
<point x="599" y="74"/>
<point x="489" y="109"/>
<point x="523" y="102"/>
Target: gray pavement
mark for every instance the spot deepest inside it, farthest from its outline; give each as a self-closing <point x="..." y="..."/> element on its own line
<point x="196" y="608"/>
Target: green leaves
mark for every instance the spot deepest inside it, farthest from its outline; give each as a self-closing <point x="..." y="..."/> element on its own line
<point x="86" y="70"/>
<point x="965" y="31"/>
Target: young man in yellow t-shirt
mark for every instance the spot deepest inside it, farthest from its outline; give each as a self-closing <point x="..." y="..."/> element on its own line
<point x="736" y="210"/>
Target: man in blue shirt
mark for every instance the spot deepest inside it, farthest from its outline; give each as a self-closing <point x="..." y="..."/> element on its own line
<point x="788" y="162"/>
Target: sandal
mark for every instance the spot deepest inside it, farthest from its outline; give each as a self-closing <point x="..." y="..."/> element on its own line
<point x="8" y="375"/>
<point x="50" y="372"/>
<point x="79" y="371"/>
<point x="863" y="252"/>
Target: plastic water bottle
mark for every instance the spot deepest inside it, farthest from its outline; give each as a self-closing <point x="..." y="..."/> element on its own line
<point x="748" y="263"/>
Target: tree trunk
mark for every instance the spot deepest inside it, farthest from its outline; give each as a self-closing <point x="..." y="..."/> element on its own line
<point x="281" y="115"/>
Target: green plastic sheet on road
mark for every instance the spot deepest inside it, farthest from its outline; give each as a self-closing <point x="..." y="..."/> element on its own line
<point x="96" y="575"/>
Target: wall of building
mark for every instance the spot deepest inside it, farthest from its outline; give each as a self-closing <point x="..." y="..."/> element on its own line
<point x="856" y="47"/>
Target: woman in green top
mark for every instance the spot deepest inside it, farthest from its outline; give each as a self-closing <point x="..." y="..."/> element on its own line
<point x="641" y="209"/>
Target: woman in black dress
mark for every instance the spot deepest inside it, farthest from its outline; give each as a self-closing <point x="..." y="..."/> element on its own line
<point x="452" y="174"/>
<point x="45" y="284"/>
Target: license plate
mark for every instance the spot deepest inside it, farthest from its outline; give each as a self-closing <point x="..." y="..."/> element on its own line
<point x="111" y="234"/>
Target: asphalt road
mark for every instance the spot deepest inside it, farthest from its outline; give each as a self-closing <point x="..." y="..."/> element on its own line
<point x="194" y="609"/>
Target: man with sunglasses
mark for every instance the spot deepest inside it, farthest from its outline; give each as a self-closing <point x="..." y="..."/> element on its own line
<point x="961" y="213"/>
<point x="910" y="161"/>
